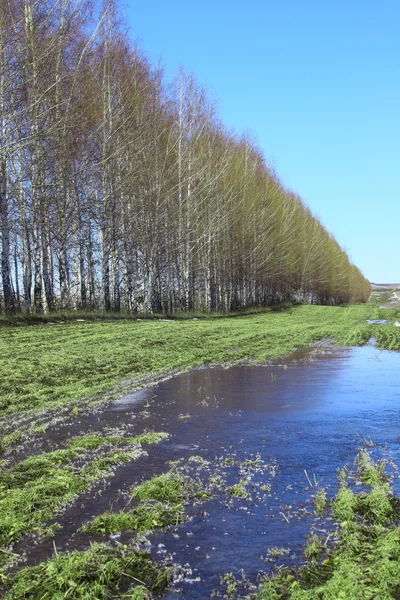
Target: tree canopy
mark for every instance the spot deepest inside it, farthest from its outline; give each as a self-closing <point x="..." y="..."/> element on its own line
<point x="118" y="192"/>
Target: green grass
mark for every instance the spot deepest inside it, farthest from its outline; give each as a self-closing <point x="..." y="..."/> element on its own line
<point x="344" y="505"/>
<point x="51" y="366"/>
<point x="388" y="337"/>
<point x="170" y="488"/>
<point x="166" y="488"/>
<point x="275" y="552"/>
<point x="238" y="490"/>
<point x="10" y="440"/>
<point x="320" y="501"/>
<point x="72" y="316"/>
<point x="150" y="437"/>
<point x="162" y="500"/>
<point x="141" y="518"/>
<point x="314" y="547"/>
<point x="33" y="490"/>
<point x="99" y="573"/>
<point x="370" y="472"/>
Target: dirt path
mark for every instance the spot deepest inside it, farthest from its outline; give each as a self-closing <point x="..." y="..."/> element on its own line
<point x="394" y="301"/>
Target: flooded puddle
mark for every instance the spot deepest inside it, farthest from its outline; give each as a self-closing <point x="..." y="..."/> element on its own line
<point x="377" y="321"/>
<point x="307" y="413"/>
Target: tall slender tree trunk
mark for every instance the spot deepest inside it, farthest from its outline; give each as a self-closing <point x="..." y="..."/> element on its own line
<point x="105" y="299"/>
<point x="47" y="262"/>
<point x="8" y="294"/>
<point x="16" y="274"/>
<point x="91" y="270"/>
<point x="37" y="267"/>
<point x="9" y="300"/>
<point x="26" y="263"/>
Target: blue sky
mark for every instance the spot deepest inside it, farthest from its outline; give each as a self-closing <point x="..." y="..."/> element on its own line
<point x="318" y="84"/>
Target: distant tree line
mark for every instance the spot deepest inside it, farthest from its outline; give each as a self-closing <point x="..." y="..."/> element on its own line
<point x="118" y="192"/>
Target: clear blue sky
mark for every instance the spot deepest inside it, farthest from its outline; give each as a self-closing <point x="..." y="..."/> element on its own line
<point x="318" y="83"/>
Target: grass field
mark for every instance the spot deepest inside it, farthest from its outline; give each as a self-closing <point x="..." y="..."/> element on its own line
<point x="53" y="365"/>
<point x="60" y="368"/>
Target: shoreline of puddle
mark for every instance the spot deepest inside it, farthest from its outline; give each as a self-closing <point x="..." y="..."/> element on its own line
<point x="294" y="412"/>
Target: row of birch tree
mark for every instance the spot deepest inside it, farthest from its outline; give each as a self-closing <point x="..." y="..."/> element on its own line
<point x="119" y="192"/>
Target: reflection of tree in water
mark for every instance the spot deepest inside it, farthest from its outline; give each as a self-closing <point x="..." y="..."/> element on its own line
<point x="297" y="383"/>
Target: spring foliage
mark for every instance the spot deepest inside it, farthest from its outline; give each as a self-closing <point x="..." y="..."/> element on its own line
<point x="120" y="193"/>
